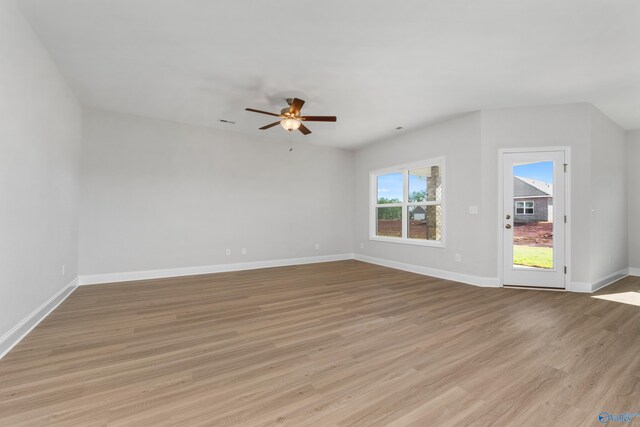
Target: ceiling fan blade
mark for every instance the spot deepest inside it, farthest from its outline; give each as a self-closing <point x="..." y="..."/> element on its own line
<point x="296" y="106"/>
<point x="305" y="130"/>
<point x="262" y="112"/>
<point x="270" y="125"/>
<point x="319" y="118"/>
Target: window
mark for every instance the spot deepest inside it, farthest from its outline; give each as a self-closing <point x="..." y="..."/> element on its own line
<point x="407" y="203"/>
<point x="524" y="208"/>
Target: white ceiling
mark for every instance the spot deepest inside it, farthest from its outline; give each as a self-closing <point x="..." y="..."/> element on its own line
<point x="376" y="64"/>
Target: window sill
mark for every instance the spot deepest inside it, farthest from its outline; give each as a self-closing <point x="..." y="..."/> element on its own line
<point x="415" y="242"/>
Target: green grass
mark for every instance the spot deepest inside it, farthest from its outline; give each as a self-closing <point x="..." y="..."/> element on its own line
<point x="532" y="256"/>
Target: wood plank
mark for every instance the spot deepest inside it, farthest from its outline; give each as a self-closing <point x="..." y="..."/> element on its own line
<point x="341" y="343"/>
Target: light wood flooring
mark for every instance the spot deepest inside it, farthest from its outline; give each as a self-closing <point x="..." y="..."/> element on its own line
<point x="342" y="343"/>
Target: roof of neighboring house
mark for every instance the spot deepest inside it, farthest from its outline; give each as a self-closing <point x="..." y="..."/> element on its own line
<point x="527" y="187"/>
<point x="419" y="210"/>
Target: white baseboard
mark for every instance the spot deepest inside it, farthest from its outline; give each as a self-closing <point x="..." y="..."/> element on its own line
<point x="487" y="282"/>
<point x="586" y="287"/>
<point x="96" y="279"/>
<point x="610" y="279"/>
<point x="634" y="271"/>
<point x="582" y="287"/>
<point x="26" y="325"/>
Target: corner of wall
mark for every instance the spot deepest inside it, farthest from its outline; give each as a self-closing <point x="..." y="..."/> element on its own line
<point x="633" y="199"/>
<point x="42" y="157"/>
<point x="609" y="248"/>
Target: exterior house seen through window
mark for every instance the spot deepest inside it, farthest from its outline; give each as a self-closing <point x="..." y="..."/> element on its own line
<point x="524" y="208"/>
<point x="407" y="203"/>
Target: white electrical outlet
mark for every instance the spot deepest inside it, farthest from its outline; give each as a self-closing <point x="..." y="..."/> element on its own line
<point x="228" y="251"/>
<point x="361" y="245"/>
<point x="473" y="210"/>
<point x="317" y="246"/>
<point x="458" y="258"/>
<point x="64" y="268"/>
<point x="244" y="251"/>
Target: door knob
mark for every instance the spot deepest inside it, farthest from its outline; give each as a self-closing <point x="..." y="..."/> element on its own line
<point x="507" y="226"/>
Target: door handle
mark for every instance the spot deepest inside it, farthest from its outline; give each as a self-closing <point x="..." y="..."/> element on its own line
<point x="508" y="226"/>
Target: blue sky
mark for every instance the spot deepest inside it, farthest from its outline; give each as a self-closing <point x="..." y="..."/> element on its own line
<point x="390" y="186"/>
<point x="542" y="171"/>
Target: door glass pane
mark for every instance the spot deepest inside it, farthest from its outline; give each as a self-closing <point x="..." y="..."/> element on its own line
<point x="390" y="188"/>
<point x="389" y="221"/>
<point x="424" y="222"/>
<point x="425" y="184"/>
<point x="533" y="215"/>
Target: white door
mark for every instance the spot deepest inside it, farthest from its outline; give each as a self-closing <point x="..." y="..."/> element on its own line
<point x="533" y="219"/>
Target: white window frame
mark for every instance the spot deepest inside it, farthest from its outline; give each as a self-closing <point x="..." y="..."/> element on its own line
<point x="404" y="169"/>
<point x="524" y="207"/>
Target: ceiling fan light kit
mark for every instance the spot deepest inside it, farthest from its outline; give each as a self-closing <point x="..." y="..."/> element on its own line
<point x="290" y="124"/>
<point x="290" y="118"/>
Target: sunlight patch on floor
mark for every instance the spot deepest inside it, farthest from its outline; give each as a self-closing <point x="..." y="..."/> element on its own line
<point x="630" y="297"/>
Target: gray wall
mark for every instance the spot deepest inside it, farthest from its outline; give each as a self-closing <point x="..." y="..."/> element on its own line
<point x="633" y="196"/>
<point x="459" y="140"/>
<point x="159" y="195"/>
<point x="40" y="125"/>
<point x="544" y="126"/>
<point x="609" y="224"/>
<point x="471" y="144"/>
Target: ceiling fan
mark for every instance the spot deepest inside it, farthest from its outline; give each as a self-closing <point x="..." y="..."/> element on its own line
<point x="290" y="118"/>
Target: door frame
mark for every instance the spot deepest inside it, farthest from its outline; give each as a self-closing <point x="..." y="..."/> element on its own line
<point x="567" y="185"/>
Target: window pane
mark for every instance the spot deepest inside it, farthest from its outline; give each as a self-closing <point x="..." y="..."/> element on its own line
<point x="424" y="222"/>
<point x="390" y="188"/>
<point x="389" y="222"/>
<point x="425" y="184"/>
<point x="533" y="222"/>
